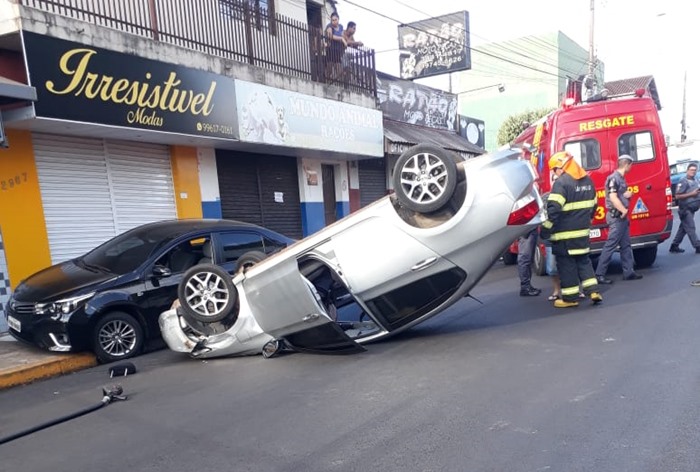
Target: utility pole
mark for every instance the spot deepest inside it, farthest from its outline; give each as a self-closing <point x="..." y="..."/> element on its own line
<point x="591" y="44"/>
<point x="590" y="82"/>
<point x="685" y="84"/>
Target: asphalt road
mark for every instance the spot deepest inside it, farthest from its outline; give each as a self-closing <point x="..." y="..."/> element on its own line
<point x="508" y="385"/>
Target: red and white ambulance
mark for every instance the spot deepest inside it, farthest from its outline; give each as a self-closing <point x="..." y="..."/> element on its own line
<point x="596" y="132"/>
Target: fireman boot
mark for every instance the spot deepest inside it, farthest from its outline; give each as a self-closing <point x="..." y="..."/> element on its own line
<point x="560" y="303"/>
<point x="596" y="298"/>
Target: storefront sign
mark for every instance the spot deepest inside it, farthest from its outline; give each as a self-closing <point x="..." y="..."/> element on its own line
<point x="435" y="46"/>
<point x="275" y="116"/>
<point x="473" y="130"/>
<point x="403" y="100"/>
<point x="83" y="83"/>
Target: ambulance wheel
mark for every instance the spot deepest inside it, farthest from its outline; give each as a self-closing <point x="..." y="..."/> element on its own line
<point x="509" y="258"/>
<point x="644" y="256"/>
<point x="538" y="261"/>
<point x="425" y="178"/>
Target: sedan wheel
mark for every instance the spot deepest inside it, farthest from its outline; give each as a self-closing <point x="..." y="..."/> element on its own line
<point x="425" y="178"/>
<point x="207" y="293"/>
<point x="117" y="336"/>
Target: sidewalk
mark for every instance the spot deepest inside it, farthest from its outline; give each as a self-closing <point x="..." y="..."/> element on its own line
<point x="21" y="363"/>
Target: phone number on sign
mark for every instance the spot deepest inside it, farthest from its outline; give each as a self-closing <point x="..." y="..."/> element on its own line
<point x="214" y="128"/>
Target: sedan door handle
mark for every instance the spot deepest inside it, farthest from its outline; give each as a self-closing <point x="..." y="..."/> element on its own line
<point x="309" y="318"/>
<point x="423" y="264"/>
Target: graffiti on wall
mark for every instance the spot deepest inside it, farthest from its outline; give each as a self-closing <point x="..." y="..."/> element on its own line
<point x="403" y="100"/>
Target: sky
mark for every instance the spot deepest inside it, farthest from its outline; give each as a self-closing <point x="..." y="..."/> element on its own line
<point x="631" y="37"/>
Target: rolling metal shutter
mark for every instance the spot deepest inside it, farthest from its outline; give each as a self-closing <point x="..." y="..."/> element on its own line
<point x="141" y="181"/>
<point x="372" y="175"/>
<point x="74" y="185"/>
<point x="92" y="190"/>
<point x="247" y="187"/>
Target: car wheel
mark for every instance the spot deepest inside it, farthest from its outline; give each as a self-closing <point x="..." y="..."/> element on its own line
<point x="249" y="259"/>
<point x="644" y="256"/>
<point x="117" y="336"/>
<point x="207" y="293"/>
<point x="425" y="178"/>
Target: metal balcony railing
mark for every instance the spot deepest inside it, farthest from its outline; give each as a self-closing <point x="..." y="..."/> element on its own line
<point x="239" y="30"/>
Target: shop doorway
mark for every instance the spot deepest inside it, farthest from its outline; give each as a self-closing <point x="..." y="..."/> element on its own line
<point x="329" y="198"/>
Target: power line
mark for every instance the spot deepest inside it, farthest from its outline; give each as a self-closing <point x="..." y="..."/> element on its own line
<point x="451" y="41"/>
<point x="531" y="54"/>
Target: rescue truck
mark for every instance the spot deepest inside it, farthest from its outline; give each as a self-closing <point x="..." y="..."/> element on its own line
<point x="596" y="132"/>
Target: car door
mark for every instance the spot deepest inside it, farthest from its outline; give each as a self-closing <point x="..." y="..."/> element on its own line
<point x="376" y="257"/>
<point x="162" y="277"/>
<point x="286" y="305"/>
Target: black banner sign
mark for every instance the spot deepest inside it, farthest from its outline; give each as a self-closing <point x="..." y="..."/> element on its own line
<point x="403" y="100"/>
<point x="435" y="46"/>
<point x="84" y="83"/>
<point x="473" y="130"/>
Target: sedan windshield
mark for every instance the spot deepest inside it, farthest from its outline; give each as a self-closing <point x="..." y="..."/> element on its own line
<point x="129" y="250"/>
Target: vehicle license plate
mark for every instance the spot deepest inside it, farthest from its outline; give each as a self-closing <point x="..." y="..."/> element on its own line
<point x="595" y="233"/>
<point x="14" y="323"/>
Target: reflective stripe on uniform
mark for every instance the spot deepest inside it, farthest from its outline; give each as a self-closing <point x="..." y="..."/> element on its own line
<point x="570" y="290"/>
<point x="547" y="224"/>
<point x="579" y="205"/>
<point x="589" y="282"/>
<point x="578" y="252"/>
<point x="555" y="197"/>
<point x="579" y="233"/>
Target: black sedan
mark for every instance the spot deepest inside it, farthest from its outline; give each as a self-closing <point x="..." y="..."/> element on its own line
<point x="108" y="301"/>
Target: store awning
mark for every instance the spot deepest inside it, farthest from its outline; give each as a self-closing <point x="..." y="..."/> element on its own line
<point x="400" y="136"/>
<point x="15" y="92"/>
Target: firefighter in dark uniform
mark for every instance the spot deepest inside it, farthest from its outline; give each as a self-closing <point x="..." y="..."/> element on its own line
<point x="570" y="208"/>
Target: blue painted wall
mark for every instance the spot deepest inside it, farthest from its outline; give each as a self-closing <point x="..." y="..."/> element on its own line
<point x="211" y="209"/>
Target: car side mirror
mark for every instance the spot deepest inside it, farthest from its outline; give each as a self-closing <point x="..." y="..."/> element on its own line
<point x="161" y="271"/>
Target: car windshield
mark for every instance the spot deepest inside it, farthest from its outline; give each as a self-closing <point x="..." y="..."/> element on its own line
<point x="681" y="167"/>
<point x="129" y="250"/>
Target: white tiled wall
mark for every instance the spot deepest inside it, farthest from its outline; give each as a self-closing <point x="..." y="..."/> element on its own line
<point x="4" y="285"/>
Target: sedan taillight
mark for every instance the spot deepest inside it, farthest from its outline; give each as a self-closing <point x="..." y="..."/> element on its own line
<point x="524" y="210"/>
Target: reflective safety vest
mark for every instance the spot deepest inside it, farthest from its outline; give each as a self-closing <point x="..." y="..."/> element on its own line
<point x="570" y="207"/>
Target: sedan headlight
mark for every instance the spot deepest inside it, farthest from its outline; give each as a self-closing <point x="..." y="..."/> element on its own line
<point x="61" y="307"/>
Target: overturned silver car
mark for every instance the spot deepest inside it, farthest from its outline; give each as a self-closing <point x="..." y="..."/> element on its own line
<point x="376" y="272"/>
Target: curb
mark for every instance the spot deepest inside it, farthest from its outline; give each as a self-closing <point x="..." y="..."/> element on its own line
<point x="51" y="366"/>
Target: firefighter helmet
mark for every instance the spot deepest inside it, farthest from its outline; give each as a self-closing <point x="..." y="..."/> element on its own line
<point x="558" y="160"/>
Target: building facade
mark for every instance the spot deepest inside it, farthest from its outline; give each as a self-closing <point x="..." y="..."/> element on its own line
<point x="168" y="113"/>
<point x="533" y="70"/>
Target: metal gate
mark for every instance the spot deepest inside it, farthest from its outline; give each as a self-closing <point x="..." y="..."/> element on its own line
<point x="260" y="189"/>
<point x="372" y="176"/>
<point x="92" y="189"/>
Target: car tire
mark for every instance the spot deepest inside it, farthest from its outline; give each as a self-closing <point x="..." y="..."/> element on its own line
<point x="644" y="256"/>
<point x="425" y="178"/>
<point x="207" y="293"/>
<point x="509" y="258"/>
<point x="249" y="259"/>
<point x="117" y="336"/>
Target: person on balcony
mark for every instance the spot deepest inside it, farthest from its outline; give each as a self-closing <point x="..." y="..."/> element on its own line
<point x="348" y="56"/>
<point x="336" y="47"/>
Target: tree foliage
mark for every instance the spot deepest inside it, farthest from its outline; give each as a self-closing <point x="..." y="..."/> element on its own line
<point x="515" y="124"/>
